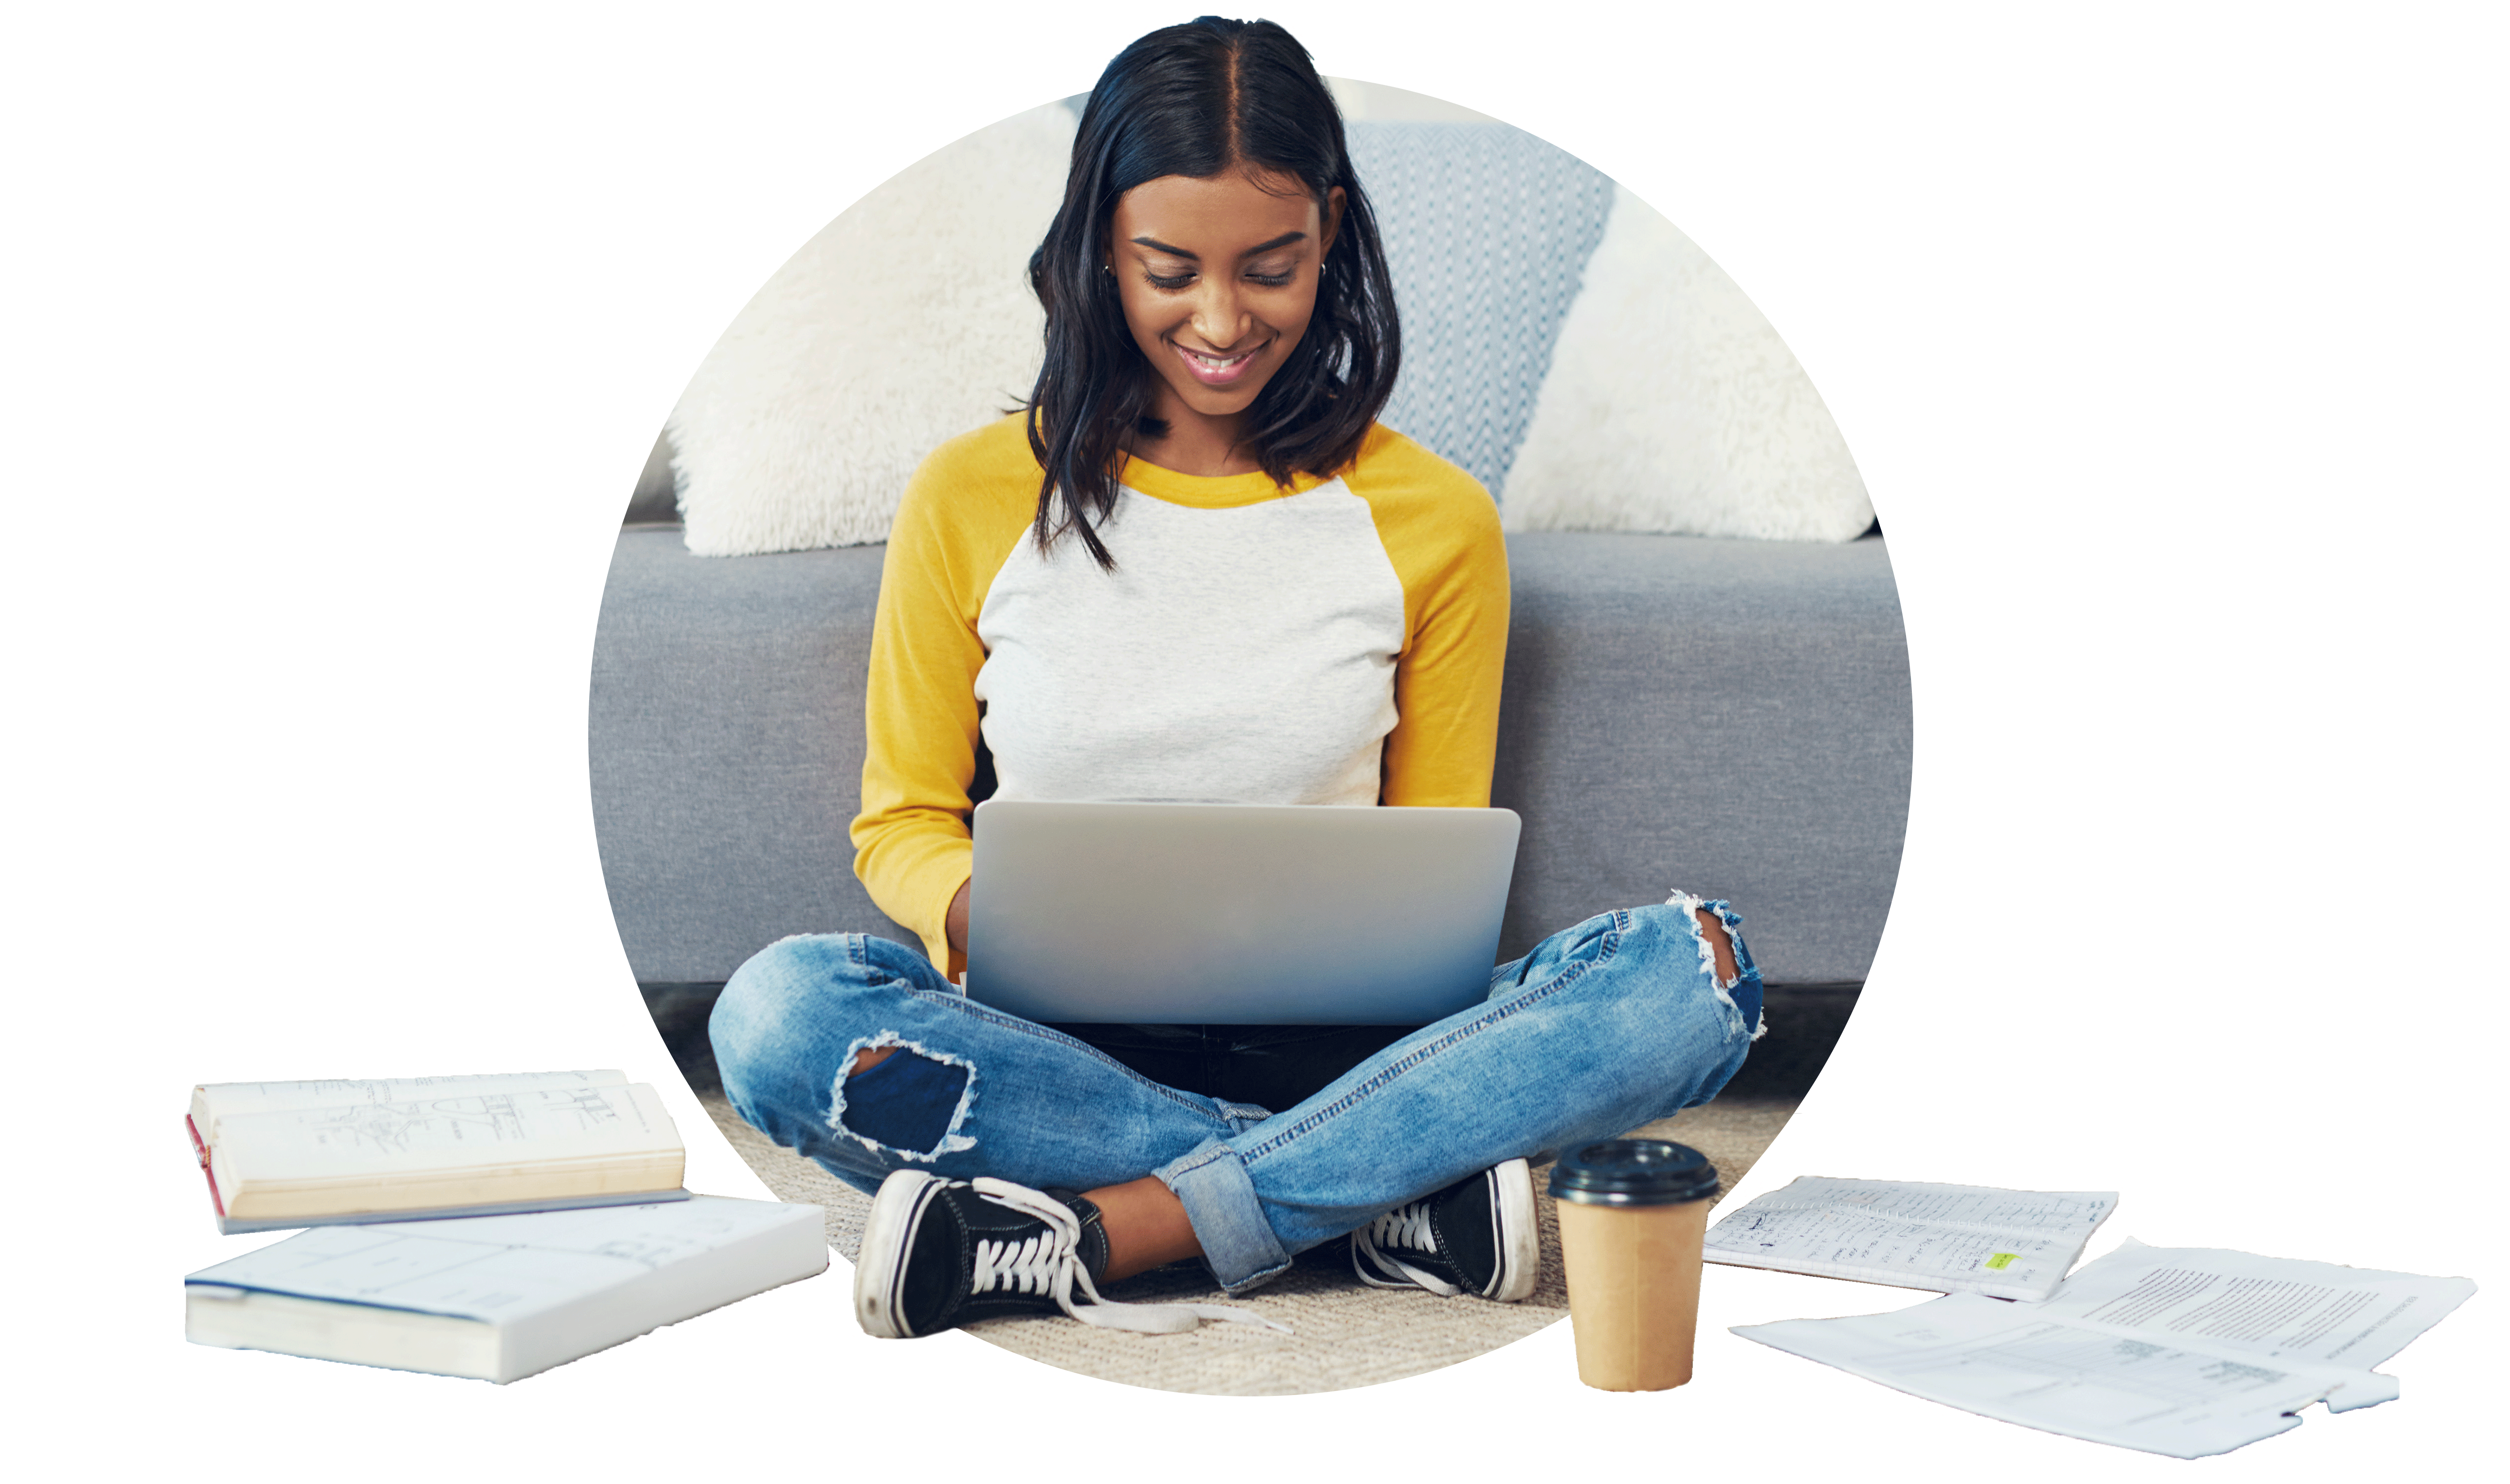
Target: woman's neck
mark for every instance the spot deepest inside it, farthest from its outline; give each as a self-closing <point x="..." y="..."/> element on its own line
<point x="1194" y="443"/>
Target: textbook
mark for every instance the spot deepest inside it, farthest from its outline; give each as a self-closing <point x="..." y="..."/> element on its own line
<point x="498" y="1298"/>
<point x="281" y="1155"/>
<point x="1911" y="1234"/>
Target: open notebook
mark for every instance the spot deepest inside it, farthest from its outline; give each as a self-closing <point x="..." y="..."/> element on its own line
<point x="281" y="1155"/>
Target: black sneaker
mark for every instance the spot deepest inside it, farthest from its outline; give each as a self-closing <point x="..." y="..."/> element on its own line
<point x="1477" y="1235"/>
<point x="941" y="1253"/>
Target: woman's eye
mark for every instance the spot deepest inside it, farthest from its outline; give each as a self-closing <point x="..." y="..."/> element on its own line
<point x="1278" y="280"/>
<point x="1178" y="281"/>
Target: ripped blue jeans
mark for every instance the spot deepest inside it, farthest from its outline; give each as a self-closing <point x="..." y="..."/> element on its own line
<point x="1614" y="1022"/>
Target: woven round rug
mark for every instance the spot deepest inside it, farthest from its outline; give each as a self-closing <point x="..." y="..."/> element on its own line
<point x="1343" y="1333"/>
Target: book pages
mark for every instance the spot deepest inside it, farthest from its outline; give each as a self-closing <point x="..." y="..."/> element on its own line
<point x="2014" y="1244"/>
<point x="2182" y="1352"/>
<point x="213" y="1101"/>
<point x="497" y="1269"/>
<point x="492" y="1128"/>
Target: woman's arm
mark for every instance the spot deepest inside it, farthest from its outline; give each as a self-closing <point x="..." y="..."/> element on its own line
<point x="1441" y="531"/>
<point x="963" y="512"/>
<point x="957" y="920"/>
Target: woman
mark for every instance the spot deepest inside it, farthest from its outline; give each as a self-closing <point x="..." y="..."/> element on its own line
<point x="1196" y="567"/>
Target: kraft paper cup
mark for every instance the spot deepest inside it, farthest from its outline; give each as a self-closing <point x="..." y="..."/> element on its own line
<point x="1632" y="1214"/>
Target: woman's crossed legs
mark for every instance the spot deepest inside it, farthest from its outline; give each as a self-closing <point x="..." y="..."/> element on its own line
<point x="1626" y="1018"/>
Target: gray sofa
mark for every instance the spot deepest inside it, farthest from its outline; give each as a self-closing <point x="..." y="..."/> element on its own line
<point x="1728" y="717"/>
<point x="1725" y="716"/>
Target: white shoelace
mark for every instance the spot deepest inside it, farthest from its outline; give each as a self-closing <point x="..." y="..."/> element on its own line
<point x="1049" y="1263"/>
<point x="1409" y="1226"/>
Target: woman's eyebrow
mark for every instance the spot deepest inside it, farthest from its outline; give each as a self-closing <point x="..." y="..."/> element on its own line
<point x="1156" y="246"/>
<point x="1282" y="241"/>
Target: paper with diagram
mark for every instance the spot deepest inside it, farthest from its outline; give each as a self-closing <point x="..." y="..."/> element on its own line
<point x="2186" y="1352"/>
<point x="1915" y="1234"/>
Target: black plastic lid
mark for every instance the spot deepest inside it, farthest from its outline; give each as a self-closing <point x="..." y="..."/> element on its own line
<point x="1633" y="1172"/>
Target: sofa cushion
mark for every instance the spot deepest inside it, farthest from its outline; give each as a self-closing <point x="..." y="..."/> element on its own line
<point x="1728" y="717"/>
<point x="906" y="322"/>
<point x="1672" y="406"/>
<point x="726" y="745"/>
<point x="1486" y="230"/>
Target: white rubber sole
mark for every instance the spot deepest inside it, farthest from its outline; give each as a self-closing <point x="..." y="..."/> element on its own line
<point x="1515" y="1235"/>
<point x="880" y="1272"/>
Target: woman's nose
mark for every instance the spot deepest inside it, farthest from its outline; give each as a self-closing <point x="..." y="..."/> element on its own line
<point x="1218" y="315"/>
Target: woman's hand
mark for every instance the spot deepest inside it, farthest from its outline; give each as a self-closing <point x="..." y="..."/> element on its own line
<point x="955" y="924"/>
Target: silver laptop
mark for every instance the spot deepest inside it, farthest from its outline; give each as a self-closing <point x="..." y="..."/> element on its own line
<point x="1236" y="914"/>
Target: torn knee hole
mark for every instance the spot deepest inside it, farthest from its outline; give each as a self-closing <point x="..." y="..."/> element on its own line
<point x="1721" y="961"/>
<point x="1714" y="934"/>
<point x="909" y="1105"/>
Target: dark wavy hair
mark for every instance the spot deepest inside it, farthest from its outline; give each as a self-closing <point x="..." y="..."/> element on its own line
<point x="1196" y="101"/>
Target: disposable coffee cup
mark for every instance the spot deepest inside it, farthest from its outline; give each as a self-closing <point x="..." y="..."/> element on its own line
<point x="1632" y="1214"/>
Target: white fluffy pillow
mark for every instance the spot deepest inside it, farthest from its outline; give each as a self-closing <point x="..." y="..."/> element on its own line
<point x="1672" y="406"/>
<point x="906" y="321"/>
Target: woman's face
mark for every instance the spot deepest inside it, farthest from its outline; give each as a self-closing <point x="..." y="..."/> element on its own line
<point x="1218" y="280"/>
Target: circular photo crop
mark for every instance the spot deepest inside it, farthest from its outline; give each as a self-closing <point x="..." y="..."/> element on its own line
<point x="1211" y="676"/>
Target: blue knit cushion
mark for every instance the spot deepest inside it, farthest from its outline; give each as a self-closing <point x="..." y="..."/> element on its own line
<point x="1488" y="230"/>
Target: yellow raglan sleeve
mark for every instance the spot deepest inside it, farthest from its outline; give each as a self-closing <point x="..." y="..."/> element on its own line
<point x="965" y="507"/>
<point x="1441" y="531"/>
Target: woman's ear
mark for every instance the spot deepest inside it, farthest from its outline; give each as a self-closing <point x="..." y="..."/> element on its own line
<point x="1334" y="200"/>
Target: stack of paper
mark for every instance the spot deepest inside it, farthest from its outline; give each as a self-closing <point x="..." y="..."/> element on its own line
<point x="2186" y="1352"/>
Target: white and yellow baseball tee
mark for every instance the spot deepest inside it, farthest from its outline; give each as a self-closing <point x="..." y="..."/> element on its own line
<point x="1339" y="641"/>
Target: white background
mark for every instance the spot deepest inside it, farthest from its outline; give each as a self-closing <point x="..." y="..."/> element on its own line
<point x="2169" y="344"/>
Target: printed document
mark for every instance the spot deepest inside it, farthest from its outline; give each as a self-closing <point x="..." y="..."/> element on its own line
<point x="1914" y="1234"/>
<point x="2178" y="1351"/>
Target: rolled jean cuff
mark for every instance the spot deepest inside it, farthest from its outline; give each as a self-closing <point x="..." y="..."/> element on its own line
<point x="1228" y="1220"/>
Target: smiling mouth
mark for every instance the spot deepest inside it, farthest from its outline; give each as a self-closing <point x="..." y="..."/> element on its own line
<point x="1216" y="370"/>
